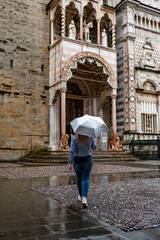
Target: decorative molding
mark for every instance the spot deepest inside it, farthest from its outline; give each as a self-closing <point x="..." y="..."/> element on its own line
<point x="91" y="57"/>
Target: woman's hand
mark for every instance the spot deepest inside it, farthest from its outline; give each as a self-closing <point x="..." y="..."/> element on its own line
<point x="70" y="166"/>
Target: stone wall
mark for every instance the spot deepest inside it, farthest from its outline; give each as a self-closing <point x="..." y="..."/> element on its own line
<point x="24" y="77"/>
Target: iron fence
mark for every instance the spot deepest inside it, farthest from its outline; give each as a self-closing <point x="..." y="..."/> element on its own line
<point x="146" y="149"/>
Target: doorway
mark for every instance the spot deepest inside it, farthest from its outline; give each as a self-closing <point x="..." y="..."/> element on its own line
<point x="74" y="109"/>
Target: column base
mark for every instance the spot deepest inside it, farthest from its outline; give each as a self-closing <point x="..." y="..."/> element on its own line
<point x="53" y="147"/>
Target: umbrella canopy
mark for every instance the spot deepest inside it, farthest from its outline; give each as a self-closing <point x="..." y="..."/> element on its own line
<point x="89" y="126"/>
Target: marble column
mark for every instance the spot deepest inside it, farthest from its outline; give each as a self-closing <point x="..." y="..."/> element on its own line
<point x="52" y="32"/>
<point x="141" y="21"/>
<point x="52" y="130"/>
<point x="157" y="26"/>
<point x="149" y="24"/>
<point x="81" y="27"/>
<point x="98" y="32"/>
<point x="114" y="123"/>
<point x="101" y="112"/>
<point x="63" y="112"/>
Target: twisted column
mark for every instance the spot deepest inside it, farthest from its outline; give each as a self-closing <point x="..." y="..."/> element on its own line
<point x="113" y="36"/>
<point x="63" y="23"/>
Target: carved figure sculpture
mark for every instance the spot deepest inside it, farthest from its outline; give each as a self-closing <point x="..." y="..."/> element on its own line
<point x="104" y="38"/>
<point x="63" y="143"/>
<point x="72" y="30"/>
<point x="115" y="144"/>
<point x="87" y="30"/>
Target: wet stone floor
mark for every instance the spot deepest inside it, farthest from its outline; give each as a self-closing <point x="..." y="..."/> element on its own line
<point x="27" y="214"/>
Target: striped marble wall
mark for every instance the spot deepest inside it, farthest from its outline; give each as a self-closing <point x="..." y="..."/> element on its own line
<point x="61" y="52"/>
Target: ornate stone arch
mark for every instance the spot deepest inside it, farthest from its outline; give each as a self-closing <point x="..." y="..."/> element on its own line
<point x="106" y="67"/>
<point x="149" y="85"/>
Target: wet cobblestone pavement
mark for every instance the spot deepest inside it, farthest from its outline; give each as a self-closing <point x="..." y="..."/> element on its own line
<point x="26" y="214"/>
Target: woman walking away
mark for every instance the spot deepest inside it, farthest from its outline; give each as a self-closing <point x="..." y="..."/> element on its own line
<point x="81" y="158"/>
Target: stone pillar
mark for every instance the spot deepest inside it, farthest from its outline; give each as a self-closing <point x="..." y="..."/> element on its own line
<point x="113" y="36"/>
<point x="157" y="25"/>
<point x="94" y="106"/>
<point x="52" y="142"/>
<point x="114" y="124"/>
<point x="101" y="112"/>
<point x="141" y="21"/>
<point x="63" y="111"/>
<point x="98" y="32"/>
<point x="149" y="23"/>
<point x="63" y="22"/>
<point x="145" y="22"/>
<point x="153" y="25"/>
<point x="52" y="32"/>
<point x="137" y="20"/>
<point x="81" y="27"/>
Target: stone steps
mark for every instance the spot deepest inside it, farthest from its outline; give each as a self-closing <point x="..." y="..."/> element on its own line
<point x="62" y="157"/>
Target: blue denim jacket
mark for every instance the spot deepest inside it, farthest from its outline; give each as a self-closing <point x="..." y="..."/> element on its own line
<point x="81" y="149"/>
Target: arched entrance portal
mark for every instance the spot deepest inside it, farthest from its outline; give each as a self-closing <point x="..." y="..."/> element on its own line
<point x="84" y="89"/>
<point x="87" y="86"/>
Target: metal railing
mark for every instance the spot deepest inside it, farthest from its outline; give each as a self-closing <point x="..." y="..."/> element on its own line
<point x="146" y="149"/>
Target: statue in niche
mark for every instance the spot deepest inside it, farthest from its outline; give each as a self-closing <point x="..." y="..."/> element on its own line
<point x="72" y="30"/>
<point x="87" y="27"/>
<point x="104" y="38"/>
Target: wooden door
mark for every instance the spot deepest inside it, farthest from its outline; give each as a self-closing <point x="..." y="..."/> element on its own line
<point x="74" y="109"/>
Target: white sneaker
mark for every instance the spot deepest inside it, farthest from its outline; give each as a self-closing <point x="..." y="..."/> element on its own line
<point x="84" y="202"/>
<point x="79" y="198"/>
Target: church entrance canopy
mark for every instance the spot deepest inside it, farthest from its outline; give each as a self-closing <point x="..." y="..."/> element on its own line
<point x="87" y="87"/>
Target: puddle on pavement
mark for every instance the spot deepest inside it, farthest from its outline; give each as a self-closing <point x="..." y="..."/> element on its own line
<point x="95" y="178"/>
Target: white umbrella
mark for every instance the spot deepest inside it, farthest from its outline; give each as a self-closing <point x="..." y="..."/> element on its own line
<point x="89" y="126"/>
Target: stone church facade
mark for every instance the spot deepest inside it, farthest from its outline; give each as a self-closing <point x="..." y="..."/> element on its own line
<point x="62" y="59"/>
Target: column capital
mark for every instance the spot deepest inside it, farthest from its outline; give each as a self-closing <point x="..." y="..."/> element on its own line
<point x="114" y="96"/>
<point x="63" y="90"/>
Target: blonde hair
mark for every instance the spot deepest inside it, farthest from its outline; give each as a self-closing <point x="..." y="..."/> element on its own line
<point x="82" y="138"/>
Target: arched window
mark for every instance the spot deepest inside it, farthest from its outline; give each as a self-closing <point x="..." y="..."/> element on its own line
<point x="90" y="23"/>
<point x="106" y="24"/>
<point x="149" y="111"/>
<point x="72" y="18"/>
<point x="148" y="86"/>
<point x="57" y="23"/>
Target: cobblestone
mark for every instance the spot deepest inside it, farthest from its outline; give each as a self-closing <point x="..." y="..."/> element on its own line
<point x="128" y="205"/>
<point x="59" y="170"/>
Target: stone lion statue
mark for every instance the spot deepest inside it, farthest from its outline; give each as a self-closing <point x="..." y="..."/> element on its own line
<point x="115" y="144"/>
<point x="63" y="143"/>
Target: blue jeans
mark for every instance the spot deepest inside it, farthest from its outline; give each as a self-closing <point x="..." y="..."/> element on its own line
<point x="83" y="170"/>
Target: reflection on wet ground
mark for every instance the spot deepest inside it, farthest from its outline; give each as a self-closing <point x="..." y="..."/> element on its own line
<point x="26" y="214"/>
<point x="106" y="177"/>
